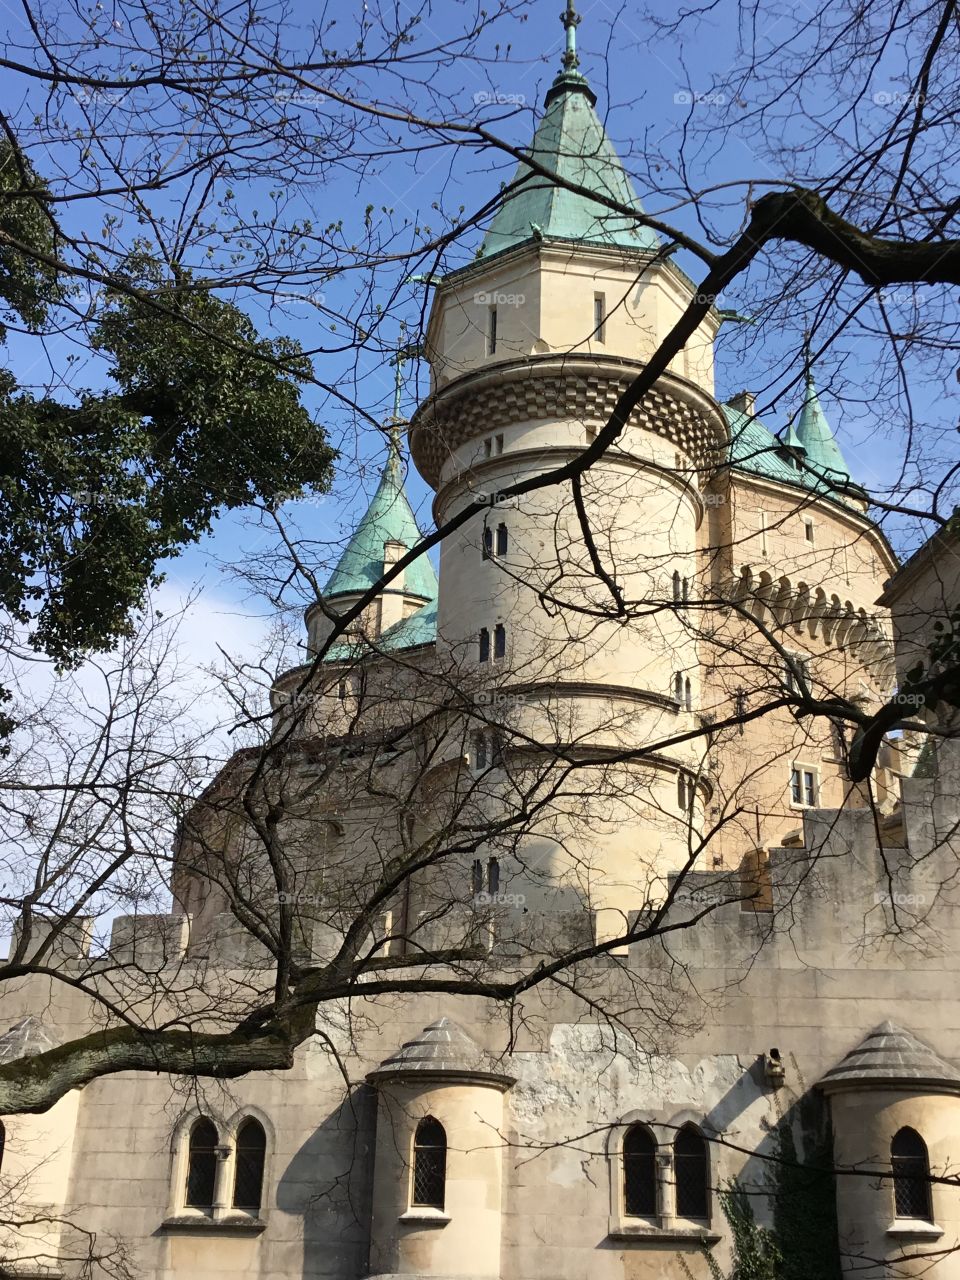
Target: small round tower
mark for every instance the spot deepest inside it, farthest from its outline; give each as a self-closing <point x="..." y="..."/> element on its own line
<point x="895" y="1105"/>
<point x="438" y="1173"/>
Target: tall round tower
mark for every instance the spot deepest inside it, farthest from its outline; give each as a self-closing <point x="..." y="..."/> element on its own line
<point x="565" y="602"/>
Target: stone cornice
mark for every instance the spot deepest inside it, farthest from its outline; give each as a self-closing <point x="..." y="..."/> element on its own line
<point x="542" y="388"/>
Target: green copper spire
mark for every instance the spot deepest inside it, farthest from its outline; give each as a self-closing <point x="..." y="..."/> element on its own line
<point x="389" y="518"/>
<point x="569" y="141"/>
<point x="823" y="454"/>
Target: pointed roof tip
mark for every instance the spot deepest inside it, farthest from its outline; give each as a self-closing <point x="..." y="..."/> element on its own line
<point x="814" y="433"/>
<point x="569" y="141"/>
<point x="388" y="518"/>
<point x="442" y="1049"/>
<point x="890" y="1056"/>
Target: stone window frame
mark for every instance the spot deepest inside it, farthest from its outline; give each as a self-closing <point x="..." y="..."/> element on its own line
<point x="224" y="1217"/>
<point x="802" y="767"/>
<point x="666" y="1227"/>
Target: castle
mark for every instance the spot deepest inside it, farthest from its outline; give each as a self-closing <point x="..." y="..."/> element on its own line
<point x="580" y="740"/>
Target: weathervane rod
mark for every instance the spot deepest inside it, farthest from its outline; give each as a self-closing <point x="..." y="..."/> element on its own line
<point x="571" y="20"/>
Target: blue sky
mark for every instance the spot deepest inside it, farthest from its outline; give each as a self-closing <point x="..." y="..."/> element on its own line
<point x="653" y="86"/>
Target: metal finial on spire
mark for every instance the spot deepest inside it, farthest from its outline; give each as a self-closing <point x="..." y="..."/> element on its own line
<point x="405" y="351"/>
<point x="571" y="20"/>
<point x="807" y="362"/>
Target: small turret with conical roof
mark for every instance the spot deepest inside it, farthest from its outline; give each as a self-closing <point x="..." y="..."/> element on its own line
<point x="821" y="451"/>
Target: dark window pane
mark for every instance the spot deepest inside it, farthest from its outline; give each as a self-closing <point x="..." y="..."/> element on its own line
<point x="493" y="876"/>
<point x="477" y="876"/>
<point x="501" y="539"/>
<point x="499" y="640"/>
<point x="429" y="1164"/>
<point x="202" y="1170"/>
<point x="487" y="543"/>
<point x="911" y="1176"/>
<point x="3" y="1142"/>
<point x="639" y="1174"/>
<point x="484" y="645"/>
<point x="248" y="1179"/>
<point x="690" y="1172"/>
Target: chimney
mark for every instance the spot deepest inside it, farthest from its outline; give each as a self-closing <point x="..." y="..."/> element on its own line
<point x="744" y="402"/>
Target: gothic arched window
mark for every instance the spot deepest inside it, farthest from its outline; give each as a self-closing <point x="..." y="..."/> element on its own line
<point x="639" y="1173"/>
<point x="202" y="1165"/>
<point x="248" y="1172"/>
<point x="691" y="1170"/>
<point x="676" y="586"/>
<point x="429" y="1164"/>
<point x="911" y="1176"/>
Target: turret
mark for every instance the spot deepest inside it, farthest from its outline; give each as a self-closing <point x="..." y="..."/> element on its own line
<point x="895" y="1105"/>
<point x="438" y="1173"/>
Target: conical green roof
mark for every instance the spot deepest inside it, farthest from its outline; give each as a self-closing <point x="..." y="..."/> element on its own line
<point x="813" y="431"/>
<point x="570" y="141"/>
<point x="389" y="518"/>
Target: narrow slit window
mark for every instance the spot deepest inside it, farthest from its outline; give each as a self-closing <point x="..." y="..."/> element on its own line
<point x="599" y="318"/>
<point x="429" y="1164"/>
<point x="502" y="540"/>
<point x="479" y="750"/>
<point x="202" y="1166"/>
<point x="639" y="1174"/>
<point x="484" y="644"/>
<point x="687" y="694"/>
<point x="492" y="331"/>
<point x="476" y="877"/>
<point x="487" y="542"/>
<point x="678" y="687"/>
<point x="488" y="447"/>
<point x="493" y="876"/>
<point x="676" y="586"/>
<point x="250" y="1159"/>
<point x="499" y="640"/>
<point x="498" y="443"/>
<point x="808" y="531"/>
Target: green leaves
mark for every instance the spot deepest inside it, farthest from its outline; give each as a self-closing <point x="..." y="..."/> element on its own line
<point x="94" y="496"/>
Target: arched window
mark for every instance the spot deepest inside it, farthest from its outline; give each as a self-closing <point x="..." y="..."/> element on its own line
<point x="476" y="876"/>
<point x="429" y="1164"/>
<point x="3" y="1142"/>
<point x="686" y="590"/>
<point x="487" y="542"/>
<point x="248" y="1171"/>
<point x="499" y="640"/>
<point x="911" y="1176"/>
<point x="202" y="1166"/>
<point x="678" y="687"/>
<point x="691" y="1174"/>
<point x="676" y="586"/>
<point x="687" y="694"/>
<point x="639" y="1173"/>
<point x="501" y="539"/>
<point x="484" y="642"/>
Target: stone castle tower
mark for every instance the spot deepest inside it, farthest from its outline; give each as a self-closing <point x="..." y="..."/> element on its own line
<point x="591" y="705"/>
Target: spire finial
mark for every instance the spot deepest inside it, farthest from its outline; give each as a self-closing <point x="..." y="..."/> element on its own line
<point x="571" y="20"/>
<point x="807" y="362"/>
